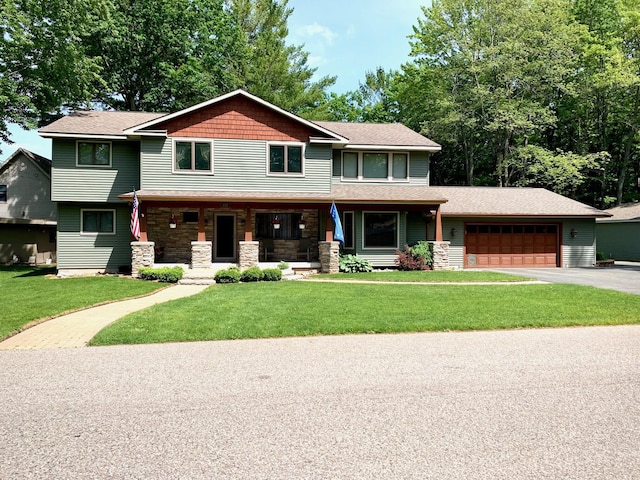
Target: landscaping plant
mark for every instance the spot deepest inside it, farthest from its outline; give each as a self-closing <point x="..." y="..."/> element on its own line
<point x="228" y="275"/>
<point x="252" y="274"/>
<point x="354" y="264"/>
<point x="417" y="257"/>
<point x="163" y="274"/>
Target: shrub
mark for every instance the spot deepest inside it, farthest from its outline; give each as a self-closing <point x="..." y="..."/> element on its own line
<point x="228" y="275"/>
<point x="252" y="274"/>
<point x="600" y="256"/>
<point x="164" y="274"/>
<point x="354" y="264"/>
<point x="418" y="257"/>
<point x="283" y="265"/>
<point x="272" y="275"/>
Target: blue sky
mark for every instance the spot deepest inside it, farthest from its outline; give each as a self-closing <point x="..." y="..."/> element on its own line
<point x="344" y="38"/>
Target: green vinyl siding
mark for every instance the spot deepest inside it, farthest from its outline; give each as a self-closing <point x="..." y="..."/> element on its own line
<point x="619" y="240"/>
<point x="579" y="251"/>
<point x="95" y="251"/>
<point x="238" y="165"/>
<point x="72" y="183"/>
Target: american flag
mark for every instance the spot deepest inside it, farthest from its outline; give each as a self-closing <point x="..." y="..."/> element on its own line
<point x="135" y="220"/>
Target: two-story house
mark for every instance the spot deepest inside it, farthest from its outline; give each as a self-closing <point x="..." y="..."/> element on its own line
<point x="237" y="179"/>
<point x="27" y="214"/>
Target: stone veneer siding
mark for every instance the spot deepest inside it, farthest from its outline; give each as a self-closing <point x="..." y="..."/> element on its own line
<point x="329" y="257"/>
<point x="201" y="254"/>
<point x="142" y="255"/>
<point x="440" y="255"/>
<point x="249" y="254"/>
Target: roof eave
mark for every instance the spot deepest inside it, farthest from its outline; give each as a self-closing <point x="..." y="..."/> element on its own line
<point x="87" y="136"/>
<point x="412" y="148"/>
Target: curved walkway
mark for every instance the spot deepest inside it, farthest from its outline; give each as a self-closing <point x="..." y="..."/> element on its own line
<point x="77" y="328"/>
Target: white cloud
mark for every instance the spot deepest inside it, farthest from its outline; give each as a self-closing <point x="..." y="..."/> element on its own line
<point x="317" y="30"/>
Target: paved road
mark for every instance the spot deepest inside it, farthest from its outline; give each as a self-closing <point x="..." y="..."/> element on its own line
<point x="524" y="404"/>
<point x="624" y="276"/>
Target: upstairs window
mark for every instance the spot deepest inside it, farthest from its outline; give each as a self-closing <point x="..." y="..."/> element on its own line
<point x="3" y="193"/>
<point x="285" y="159"/>
<point x="94" y="154"/>
<point x="375" y="166"/>
<point x="192" y="156"/>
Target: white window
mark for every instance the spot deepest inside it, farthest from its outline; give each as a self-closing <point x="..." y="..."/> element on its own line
<point x="93" y="154"/>
<point x="98" y="221"/>
<point x="375" y="166"/>
<point x="286" y="159"/>
<point x="380" y="229"/>
<point x="192" y="156"/>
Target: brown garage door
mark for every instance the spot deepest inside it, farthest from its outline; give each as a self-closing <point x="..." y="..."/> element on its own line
<point x="511" y="245"/>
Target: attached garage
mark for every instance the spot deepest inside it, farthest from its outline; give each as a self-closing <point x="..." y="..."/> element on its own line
<point x="511" y="245"/>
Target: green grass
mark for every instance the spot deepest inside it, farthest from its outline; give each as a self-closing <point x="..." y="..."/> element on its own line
<point x="308" y="308"/>
<point x="436" y="276"/>
<point x="28" y="294"/>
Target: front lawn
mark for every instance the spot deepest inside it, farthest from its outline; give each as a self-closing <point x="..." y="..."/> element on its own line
<point x="312" y="308"/>
<point x="28" y="294"/>
<point x="435" y="276"/>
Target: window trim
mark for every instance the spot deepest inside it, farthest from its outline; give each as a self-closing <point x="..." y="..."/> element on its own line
<point x="389" y="178"/>
<point x="286" y="146"/>
<point x="88" y="165"/>
<point x="352" y="246"/>
<point x="83" y="232"/>
<point x="192" y="170"/>
<point x="5" y="189"/>
<point x="364" y="229"/>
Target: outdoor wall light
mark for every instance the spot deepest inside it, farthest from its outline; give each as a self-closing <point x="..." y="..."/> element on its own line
<point x="301" y="223"/>
<point x="454" y="232"/>
<point x="574" y="233"/>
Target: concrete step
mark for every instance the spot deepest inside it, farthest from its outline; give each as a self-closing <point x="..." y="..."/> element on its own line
<point x="197" y="281"/>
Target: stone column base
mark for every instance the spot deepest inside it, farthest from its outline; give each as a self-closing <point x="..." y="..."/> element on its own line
<point x="201" y="254"/>
<point x="329" y="257"/>
<point x="248" y="254"/>
<point x="142" y="255"/>
<point x="440" y="255"/>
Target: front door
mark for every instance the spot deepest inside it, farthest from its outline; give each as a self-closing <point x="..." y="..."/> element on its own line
<point x="225" y="237"/>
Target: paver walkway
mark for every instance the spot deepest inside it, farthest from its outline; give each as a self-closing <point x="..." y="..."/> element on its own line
<point x="76" y="329"/>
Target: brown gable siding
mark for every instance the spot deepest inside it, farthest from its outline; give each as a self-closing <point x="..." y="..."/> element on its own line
<point x="238" y="118"/>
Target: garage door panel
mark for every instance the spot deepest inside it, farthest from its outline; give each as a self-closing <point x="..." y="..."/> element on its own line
<point x="512" y="245"/>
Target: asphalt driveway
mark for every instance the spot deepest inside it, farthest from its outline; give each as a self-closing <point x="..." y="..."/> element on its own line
<point x="522" y="404"/>
<point x="623" y="276"/>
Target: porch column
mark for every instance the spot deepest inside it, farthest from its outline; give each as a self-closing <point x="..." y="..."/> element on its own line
<point x="143" y="223"/>
<point x="142" y="255"/>
<point x="440" y="255"/>
<point x="438" y="224"/>
<point x="248" y="254"/>
<point x="202" y="235"/>
<point x="248" y="234"/>
<point x="329" y="256"/>
<point x="201" y="254"/>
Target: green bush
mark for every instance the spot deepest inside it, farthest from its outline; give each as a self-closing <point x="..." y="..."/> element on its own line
<point x="253" y="274"/>
<point x="228" y="275"/>
<point x="283" y="265"/>
<point x="272" y="275"/>
<point x="600" y="256"/>
<point x="164" y="274"/>
<point x="417" y="257"/>
<point x="354" y="264"/>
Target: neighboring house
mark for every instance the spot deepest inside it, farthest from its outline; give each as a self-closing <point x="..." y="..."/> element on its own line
<point x="27" y="214"/>
<point x="619" y="235"/>
<point x="237" y="179"/>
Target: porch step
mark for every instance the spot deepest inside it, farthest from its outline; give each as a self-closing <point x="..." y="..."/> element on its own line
<point x="197" y="281"/>
<point x="198" y="276"/>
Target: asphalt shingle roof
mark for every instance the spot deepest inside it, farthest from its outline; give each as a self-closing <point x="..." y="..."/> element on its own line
<point x="382" y="134"/>
<point x="627" y="211"/>
<point x="43" y="162"/>
<point x="99" y="122"/>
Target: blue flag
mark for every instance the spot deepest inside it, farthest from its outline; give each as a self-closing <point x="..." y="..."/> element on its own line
<point x="337" y="231"/>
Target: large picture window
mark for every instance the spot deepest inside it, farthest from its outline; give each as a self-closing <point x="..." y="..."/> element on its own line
<point x="375" y="166"/>
<point x="98" y="221"/>
<point x="191" y="156"/>
<point x="380" y="229"/>
<point x="285" y="159"/>
<point x="94" y="154"/>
